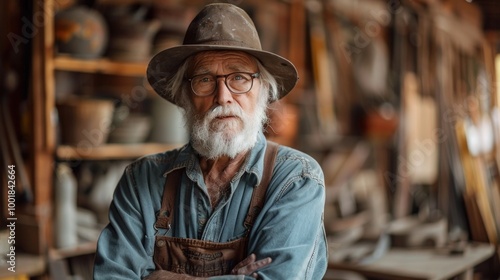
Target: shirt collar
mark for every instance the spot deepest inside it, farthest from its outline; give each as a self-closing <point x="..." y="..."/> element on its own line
<point x="186" y="157"/>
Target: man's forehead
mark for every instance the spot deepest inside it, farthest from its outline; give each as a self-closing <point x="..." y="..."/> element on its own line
<point x="227" y="58"/>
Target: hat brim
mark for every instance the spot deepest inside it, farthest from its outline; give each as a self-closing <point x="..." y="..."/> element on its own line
<point x="164" y="65"/>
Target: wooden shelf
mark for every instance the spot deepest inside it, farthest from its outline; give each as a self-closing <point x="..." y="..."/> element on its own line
<point x="79" y="250"/>
<point x="101" y="65"/>
<point x="26" y="265"/>
<point x="111" y="151"/>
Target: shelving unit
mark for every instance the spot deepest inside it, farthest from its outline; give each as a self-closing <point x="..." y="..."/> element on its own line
<point x="46" y="150"/>
<point x="106" y="151"/>
<point x="101" y="67"/>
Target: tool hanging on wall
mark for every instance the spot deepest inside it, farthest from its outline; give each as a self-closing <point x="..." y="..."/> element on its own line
<point x="323" y="70"/>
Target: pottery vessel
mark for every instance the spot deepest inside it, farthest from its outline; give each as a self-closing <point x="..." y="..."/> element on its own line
<point x="81" y="32"/>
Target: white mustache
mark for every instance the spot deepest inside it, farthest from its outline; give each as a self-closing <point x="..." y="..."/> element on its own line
<point x="221" y="111"/>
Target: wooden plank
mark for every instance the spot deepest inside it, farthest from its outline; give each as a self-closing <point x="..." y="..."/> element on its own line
<point x="477" y="228"/>
<point x="297" y="44"/>
<point x="79" y="250"/>
<point x="124" y="2"/>
<point x="42" y="157"/>
<point x="101" y="65"/>
<point x="476" y="185"/>
<point x="497" y="78"/>
<point x="322" y="69"/>
<point x="111" y="151"/>
<point x="48" y="69"/>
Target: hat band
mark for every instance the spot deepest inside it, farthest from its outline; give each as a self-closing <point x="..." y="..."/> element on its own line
<point x="226" y="43"/>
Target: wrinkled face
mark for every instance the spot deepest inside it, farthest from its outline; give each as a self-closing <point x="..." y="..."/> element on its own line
<point x="224" y="123"/>
<point x="223" y="63"/>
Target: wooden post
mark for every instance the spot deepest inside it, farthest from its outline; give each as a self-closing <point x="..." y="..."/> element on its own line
<point x="37" y="220"/>
<point x="297" y="42"/>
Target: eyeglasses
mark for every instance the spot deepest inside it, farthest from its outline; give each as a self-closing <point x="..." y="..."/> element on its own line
<point x="237" y="83"/>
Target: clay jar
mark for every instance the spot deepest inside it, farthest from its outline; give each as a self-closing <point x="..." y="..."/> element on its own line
<point x="81" y="32"/>
<point x="85" y="122"/>
<point x="131" y="35"/>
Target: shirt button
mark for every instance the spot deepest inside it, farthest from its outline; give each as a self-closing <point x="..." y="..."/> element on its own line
<point x="160" y="243"/>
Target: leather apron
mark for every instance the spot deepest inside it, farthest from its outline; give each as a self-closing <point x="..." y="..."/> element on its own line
<point x="205" y="258"/>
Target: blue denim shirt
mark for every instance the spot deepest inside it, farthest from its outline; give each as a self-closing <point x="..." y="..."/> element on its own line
<point x="289" y="229"/>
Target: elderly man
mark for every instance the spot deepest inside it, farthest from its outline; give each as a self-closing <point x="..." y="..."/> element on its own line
<point x="229" y="204"/>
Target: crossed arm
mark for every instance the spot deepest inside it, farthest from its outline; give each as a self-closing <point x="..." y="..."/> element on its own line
<point x="248" y="266"/>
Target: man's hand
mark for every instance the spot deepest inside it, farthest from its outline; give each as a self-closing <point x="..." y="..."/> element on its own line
<point x="249" y="265"/>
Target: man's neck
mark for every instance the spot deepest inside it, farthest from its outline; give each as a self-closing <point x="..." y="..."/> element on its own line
<point x="217" y="174"/>
<point x="222" y="164"/>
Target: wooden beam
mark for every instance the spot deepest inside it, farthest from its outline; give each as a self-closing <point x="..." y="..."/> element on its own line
<point x="296" y="43"/>
<point x="41" y="143"/>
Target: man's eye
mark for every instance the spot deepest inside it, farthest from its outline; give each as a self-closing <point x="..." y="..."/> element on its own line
<point x="205" y="79"/>
<point x="241" y="77"/>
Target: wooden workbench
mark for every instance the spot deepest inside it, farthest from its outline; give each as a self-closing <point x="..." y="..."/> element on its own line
<point x="420" y="264"/>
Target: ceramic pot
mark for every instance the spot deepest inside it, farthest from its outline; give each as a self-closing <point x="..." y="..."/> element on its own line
<point x="84" y="122"/>
<point x="81" y="32"/>
<point x="133" y="129"/>
<point x="132" y="36"/>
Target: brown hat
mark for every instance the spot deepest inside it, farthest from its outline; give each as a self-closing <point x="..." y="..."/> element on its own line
<point x="219" y="26"/>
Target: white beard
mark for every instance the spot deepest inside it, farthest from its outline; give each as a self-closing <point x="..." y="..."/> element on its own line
<point x="213" y="138"/>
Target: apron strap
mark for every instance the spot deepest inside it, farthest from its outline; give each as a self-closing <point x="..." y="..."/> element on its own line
<point x="259" y="193"/>
<point x="165" y="216"/>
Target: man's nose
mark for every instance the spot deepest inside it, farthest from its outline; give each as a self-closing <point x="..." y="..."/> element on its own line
<point x="222" y="93"/>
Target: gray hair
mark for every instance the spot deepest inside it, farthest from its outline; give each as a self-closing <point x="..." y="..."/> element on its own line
<point x="179" y="90"/>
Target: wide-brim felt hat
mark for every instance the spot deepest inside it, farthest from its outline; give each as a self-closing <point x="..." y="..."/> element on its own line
<point x="219" y="26"/>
